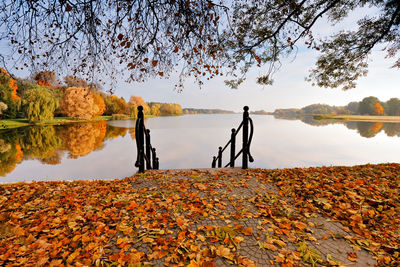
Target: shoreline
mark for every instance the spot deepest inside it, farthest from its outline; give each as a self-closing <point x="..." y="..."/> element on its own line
<point x="357" y="118"/>
<point x="17" y="123"/>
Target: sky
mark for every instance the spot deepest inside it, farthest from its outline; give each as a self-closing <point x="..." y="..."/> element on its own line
<point x="289" y="90"/>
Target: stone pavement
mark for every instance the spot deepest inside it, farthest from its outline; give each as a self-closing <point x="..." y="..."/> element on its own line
<point x="253" y="202"/>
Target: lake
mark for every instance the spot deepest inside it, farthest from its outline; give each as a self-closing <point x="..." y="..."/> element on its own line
<point x="107" y="150"/>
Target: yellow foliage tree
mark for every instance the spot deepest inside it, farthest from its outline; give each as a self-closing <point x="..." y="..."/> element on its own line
<point x="138" y="101"/>
<point x="99" y="102"/>
<point x="79" y="102"/>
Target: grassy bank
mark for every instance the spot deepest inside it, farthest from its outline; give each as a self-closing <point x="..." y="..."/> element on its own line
<point x="288" y="217"/>
<point x="15" y="123"/>
<point x="358" y="118"/>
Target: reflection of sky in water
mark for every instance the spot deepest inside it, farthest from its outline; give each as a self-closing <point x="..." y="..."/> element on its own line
<point x="191" y="141"/>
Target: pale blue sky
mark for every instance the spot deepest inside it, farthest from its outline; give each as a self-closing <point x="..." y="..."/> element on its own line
<point x="290" y="90"/>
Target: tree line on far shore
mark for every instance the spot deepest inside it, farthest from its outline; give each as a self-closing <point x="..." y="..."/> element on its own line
<point x="368" y="106"/>
<point x="44" y="97"/>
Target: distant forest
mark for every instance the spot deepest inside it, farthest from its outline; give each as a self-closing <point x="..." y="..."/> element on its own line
<point x="206" y="111"/>
<point x="368" y="106"/>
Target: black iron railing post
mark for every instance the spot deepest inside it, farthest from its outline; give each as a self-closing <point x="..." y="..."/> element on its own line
<point x="148" y="150"/>
<point x="233" y="144"/>
<point x="245" y="144"/>
<point x="154" y="157"/>
<point x="220" y="157"/>
<point x="140" y="138"/>
<point x="213" y="164"/>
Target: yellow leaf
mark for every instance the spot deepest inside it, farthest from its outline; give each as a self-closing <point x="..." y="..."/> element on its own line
<point x="270" y="247"/>
<point x="72" y="257"/>
<point x="247" y="231"/>
<point x="193" y="263"/>
<point x="75" y="238"/>
<point x="300" y="225"/>
<point x="223" y="251"/>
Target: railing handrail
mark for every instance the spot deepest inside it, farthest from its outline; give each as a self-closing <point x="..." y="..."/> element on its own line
<point x="142" y="134"/>
<point x="245" y="147"/>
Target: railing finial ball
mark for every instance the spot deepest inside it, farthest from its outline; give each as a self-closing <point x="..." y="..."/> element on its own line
<point x="147" y="130"/>
<point x="233" y="130"/>
<point x="140" y="108"/>
<point x="220" y="148"/>
<point x="246" y="108"/>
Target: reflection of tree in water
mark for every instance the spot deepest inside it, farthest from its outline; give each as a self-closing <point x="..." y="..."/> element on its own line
<point x="48" y="143"/>
<point x="10" y="152"/>
<point x="54" y="159"/>
<point x="364" y="128"/>
<point x="114" y="132"/>
<point x="82" y="138"/>
<point x="392" y="129"/>
<point x="311" y="121"/>
<point x="39" y="142"/>
<point x="132" y="133"/>
<point x="368" y="129"/>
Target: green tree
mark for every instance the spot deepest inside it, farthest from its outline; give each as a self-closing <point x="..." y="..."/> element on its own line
<point x="393" y="107"/>
<point x="3" y="106"/>
<point x="366" y="106"/>
<point x="39" y="104"/>
<point x="196" y="35"/>
<point x="353" y="107"/>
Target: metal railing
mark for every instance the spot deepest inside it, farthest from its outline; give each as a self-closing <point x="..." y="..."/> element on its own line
<point x="147" y="154"/>
<point x="246" y="142"/>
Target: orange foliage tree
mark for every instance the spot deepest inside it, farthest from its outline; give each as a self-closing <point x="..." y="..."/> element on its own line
<point x="8" y="95"/>
<point x="45" y="78"/>
<point x="138" y="101"/>
<point x="12" y="84"/>
<point x="79" y="102"/>
<point x="99" y="102"/>
<point x="378" y="109"/>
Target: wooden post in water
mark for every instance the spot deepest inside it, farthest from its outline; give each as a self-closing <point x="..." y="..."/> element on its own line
<point x="233" y="144"/>
<point x="140" y="138"/>
<point x="245" y="145"/>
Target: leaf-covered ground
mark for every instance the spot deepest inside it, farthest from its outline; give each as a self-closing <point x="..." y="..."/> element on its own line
<point x="289" y="217"/>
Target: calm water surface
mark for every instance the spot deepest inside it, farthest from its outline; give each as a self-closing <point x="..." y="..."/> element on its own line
<point x="106" y="150"/>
